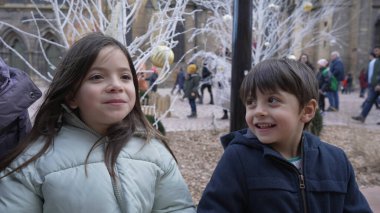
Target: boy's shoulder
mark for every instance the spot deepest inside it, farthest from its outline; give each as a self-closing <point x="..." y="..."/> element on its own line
<point x="243" y="137"/>
<point x="245" y="140"/>
<point x="313" y="142"/>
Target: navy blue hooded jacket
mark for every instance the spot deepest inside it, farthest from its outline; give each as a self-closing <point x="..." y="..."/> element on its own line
<point x="17" y="94"/>
<point x="252" y="177"/>
<point x="337" y="69"/>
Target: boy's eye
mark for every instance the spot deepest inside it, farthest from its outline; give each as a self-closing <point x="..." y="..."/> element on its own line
<point x="250" y="102"/>
<point x="273" y="100"/>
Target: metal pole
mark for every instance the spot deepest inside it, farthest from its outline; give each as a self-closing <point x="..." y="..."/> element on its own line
<point x="241" y="58"/>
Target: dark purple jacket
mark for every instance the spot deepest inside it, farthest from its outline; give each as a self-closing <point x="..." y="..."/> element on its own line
<point x="17" y="94"/>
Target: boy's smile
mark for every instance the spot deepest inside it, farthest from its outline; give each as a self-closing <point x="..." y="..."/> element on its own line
<point x="276" y="120"/>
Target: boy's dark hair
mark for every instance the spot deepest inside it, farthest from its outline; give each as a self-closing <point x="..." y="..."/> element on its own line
<point x="272" y="75"/>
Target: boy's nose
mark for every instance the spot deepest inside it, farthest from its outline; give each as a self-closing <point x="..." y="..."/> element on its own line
<point x="260" y="110"/>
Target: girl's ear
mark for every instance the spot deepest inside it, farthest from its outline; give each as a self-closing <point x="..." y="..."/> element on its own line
<point x="71" y="101"/>
<point x="309" y="110"/>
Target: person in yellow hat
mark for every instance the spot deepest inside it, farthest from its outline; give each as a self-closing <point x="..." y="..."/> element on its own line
<point x="191" y="88"/>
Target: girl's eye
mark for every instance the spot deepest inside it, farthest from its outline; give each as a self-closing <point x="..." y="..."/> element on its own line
<point x="96" y="77"/>
<point x="126" y="77"/>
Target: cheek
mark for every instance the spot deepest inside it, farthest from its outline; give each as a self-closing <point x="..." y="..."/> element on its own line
<point x="86" y="97"/>
<point x="248" y="117"/>
<point x="132" y="92"/>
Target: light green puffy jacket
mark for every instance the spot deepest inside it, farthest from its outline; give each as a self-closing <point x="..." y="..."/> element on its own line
<point x="148" y="178"/>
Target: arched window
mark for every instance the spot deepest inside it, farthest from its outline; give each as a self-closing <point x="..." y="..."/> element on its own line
<point x="53" y="54"/>
<point x="14" y="60"/>
<point x="11" y="58"/>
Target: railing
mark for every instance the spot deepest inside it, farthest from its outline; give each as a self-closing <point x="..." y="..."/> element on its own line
<point x="156" y="105"/>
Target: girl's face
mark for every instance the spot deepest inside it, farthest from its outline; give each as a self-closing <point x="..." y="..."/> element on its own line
<point x="107" y="93"/>
<point x="276" y="120"/>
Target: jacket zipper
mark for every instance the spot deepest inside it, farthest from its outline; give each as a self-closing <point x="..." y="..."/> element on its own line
<point x="301" y="178"/>
<point x="302" y="187"/>
<point x="118" y="193"/>
<point x="116" y="186"/>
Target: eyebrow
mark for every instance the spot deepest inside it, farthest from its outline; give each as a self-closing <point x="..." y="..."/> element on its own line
<point x="120" y="69"/>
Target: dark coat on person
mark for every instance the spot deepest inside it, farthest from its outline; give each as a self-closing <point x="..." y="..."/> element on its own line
<point x="17" y="94"/>
<point x="252" y="177"/>
<point x="192" y="85"/>
<point x="363" y="79"/>
<point x="337" y="69"/>
<point x="180" y="80"/>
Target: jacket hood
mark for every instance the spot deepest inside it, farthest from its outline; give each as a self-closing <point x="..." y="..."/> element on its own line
<point x="17" y="93"/>
<point x="239" y="137"/>
<point x="72" y="119"/>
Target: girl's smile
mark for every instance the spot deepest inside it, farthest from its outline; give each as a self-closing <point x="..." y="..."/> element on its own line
<point x="107" y="94"/>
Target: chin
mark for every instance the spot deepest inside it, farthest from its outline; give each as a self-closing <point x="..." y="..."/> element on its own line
<point x="265" y="140"/>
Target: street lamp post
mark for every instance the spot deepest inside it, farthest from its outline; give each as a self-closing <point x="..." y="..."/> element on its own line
<point x="241" y="58"/>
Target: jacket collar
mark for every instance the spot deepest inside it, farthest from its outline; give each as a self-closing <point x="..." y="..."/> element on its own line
<point x="72" y="119"/>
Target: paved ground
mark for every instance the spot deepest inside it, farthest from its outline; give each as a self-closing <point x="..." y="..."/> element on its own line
<point x="208" y="119"/>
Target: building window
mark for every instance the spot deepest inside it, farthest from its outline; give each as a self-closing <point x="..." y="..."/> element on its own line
<point x="179" y="49"/>
<point x="9" y="56"/>
<point x="54" y="55"/>
<point x="376" y="37"/>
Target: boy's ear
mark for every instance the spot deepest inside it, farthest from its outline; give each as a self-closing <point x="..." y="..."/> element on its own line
<point x="309" y="110"/>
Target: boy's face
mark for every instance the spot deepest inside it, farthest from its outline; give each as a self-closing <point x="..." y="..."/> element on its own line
<point x="275" y="118"/>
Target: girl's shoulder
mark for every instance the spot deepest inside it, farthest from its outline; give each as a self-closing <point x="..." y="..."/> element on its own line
<point x="153" y="151"/>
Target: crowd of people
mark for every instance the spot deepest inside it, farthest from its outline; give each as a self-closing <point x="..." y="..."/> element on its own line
<point x="192" y="84"/>
<point x="91" y="149"/>
<point x="333" y="80"/>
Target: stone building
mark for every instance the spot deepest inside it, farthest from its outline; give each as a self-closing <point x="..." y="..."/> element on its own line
<point x="360" y="21"/>
<point x="15" y="13"/>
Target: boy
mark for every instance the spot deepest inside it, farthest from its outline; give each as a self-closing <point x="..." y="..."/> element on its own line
<point x="275" y="166"/>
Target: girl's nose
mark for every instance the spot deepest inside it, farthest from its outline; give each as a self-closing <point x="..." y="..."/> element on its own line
<point x="115" y="85"/>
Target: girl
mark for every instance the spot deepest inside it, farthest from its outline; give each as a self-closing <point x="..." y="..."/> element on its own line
<point x="91" y="148"/>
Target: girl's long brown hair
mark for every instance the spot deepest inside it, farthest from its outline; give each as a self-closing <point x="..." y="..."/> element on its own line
<point x="67" y="80"/>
